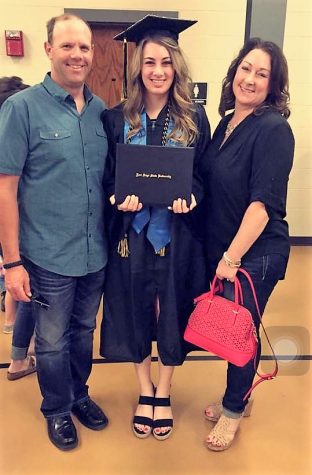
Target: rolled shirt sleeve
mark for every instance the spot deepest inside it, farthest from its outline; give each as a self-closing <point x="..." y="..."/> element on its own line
<point x="271" y="164"/>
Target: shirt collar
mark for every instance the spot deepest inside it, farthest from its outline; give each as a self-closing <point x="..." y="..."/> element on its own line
<point x="59" y="93"/>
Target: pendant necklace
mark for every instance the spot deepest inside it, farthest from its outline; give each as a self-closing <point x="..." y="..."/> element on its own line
<point x="229" y="129"/>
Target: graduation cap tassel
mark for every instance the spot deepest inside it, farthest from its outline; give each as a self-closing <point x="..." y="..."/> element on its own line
<point x="125" y="66"/>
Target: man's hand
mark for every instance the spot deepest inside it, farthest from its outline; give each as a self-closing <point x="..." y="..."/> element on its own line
<point x="18" y="284"/>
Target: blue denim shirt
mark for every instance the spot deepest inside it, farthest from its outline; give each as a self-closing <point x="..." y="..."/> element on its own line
<point x="60" y="156"/>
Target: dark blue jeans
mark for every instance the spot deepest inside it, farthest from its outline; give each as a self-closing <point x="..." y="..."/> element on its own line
<point x="64" y="335"/>
<point x="24" y="327"/>
<point x="265" y="272"/>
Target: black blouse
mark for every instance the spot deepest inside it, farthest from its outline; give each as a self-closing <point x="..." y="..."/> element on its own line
<point x="252" y="165"/>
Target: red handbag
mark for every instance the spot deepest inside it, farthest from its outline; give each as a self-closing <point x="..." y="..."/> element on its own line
<point x="226" y="328"/>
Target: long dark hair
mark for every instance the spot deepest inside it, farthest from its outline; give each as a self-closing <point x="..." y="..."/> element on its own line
<point x="278" y="97"/>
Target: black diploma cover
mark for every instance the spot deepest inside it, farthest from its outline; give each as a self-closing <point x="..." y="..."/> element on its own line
<point x="157" y="175"/>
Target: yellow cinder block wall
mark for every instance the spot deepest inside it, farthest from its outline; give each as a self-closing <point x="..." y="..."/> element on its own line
<point x="209" y="45"/>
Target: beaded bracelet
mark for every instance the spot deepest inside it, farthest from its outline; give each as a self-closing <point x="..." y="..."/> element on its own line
<point x="230" y="263"/>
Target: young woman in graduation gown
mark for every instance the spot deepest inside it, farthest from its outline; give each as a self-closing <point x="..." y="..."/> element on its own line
<point x="150" y="287"/>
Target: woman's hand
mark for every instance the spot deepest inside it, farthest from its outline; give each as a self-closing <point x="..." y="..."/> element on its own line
<point x="224" y="271"/>
<point x="180" y="206"/>
<point x="131" y="203"/>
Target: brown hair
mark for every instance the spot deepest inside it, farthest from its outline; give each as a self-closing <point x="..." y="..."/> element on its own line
<point x="278" y="96"/>
<point x="181" y="107"/>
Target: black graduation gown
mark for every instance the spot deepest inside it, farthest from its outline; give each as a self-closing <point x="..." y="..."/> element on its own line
<point x="129" y="324"/>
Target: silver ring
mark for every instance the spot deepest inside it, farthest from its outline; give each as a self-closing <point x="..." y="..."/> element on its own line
<point x="228" y="280"/>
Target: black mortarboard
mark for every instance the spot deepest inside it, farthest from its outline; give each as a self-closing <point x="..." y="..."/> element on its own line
<point x="170" y="27"/>
<point x="150" y="24"/>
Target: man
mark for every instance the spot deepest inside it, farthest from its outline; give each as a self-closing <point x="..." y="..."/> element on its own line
<point x="52" y="157"/>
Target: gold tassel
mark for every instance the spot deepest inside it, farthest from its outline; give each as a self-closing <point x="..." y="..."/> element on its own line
<point x="162" y="252"/>
<point x="123" y="248"/>
<point x="125" y="70"/>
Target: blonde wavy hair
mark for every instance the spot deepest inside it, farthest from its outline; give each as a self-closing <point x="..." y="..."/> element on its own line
<point x="182" y="109"/>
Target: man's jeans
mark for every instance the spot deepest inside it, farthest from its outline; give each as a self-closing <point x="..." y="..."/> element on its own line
<point x="265" y="272"/>
<point x="64" y="335"/>
<point x="23" y="330"/>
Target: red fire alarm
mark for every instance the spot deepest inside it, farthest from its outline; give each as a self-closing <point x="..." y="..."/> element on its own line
<point x="14" y="43"/>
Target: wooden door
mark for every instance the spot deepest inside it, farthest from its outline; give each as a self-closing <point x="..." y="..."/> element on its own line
<point x="105" y="78"/>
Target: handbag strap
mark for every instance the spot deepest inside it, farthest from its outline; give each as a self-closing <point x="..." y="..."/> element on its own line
<point x="217" y="286"/>
<point x="265" y="376"/>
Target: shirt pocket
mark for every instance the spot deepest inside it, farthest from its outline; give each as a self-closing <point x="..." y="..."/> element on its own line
<point x="100" y="142"/>
<point x="55" y="144"/>
<point x="54" y="134"/>
<point x="100" y="131"/>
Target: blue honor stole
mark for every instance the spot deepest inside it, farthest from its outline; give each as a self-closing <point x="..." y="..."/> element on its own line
<point x="158" y="218"/>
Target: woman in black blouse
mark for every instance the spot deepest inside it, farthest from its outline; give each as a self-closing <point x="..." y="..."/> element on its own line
<point x="246" y="174"/>
<point x="149" y="291"/>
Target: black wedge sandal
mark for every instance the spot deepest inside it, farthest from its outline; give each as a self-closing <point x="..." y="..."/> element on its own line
<point x="142" y="420"/>
<point x="158" y="423"/>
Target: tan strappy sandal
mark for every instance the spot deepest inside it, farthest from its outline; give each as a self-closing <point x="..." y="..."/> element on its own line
<point x="222" y="435"/>
<point x="215" y="410"/>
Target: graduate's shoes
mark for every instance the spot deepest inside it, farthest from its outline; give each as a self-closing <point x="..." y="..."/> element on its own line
<point x="146" y="423"/>
<point x="160" y="424"/>
<point x="160" y="428"/>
